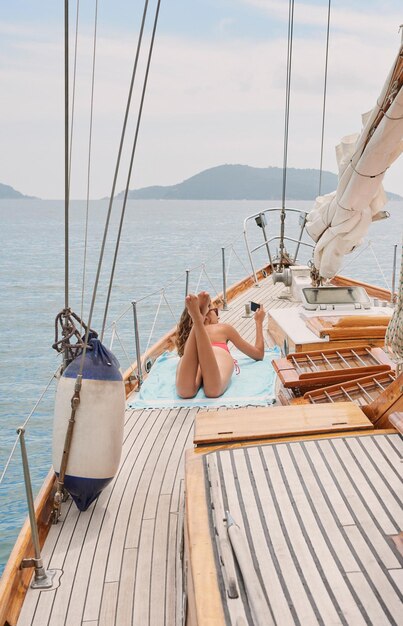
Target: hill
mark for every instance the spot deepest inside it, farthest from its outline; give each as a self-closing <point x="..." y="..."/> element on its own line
<point x="242" y="182"/>
<point x="9" y="193"/>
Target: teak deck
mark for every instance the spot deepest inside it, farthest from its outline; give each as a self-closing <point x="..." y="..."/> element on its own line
<point x="120" y="562"/>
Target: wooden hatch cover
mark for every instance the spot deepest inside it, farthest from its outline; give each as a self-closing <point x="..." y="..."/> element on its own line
<point x="252" y="423"/>
<point x="309" y="370"/>
<point x="377" y="395"/>
<point x="318" y="529"/>
<point x="349" y="326"/>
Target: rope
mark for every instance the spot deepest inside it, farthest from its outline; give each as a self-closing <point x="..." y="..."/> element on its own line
<point x="170" y="308"/>
<point x="132" y="154"/>
<point x="25" y="424"/>
<point x="154" y="322"/>
<point x="379" y="267"/>
<point x="286" y="121"/>
<point x="211" y="282"/>
<point x="89" y="159"/>
<point x="241" y="262"/>
<point x="123" y="348"/>
<point x="324" y="100"/>
<point x="200" y="277"/>
<point x="113" y="326"/>
<point x="394" y="332"/>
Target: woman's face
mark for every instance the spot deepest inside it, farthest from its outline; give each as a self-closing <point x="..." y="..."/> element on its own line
<point x="212" y="316"/>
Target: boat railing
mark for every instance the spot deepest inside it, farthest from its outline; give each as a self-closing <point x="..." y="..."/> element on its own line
<point x="42" y="578"/>
<point x="261" y="220"/>
<point x="171" y="297"/>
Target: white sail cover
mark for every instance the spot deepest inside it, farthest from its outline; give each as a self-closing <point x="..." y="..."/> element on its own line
<point x="339" y="221"/>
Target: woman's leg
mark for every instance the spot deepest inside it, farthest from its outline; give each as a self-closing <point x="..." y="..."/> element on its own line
<point x="188" y="374"/>
<point x="216" y="373"/>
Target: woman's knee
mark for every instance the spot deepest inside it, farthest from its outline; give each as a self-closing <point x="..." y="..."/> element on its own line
<point x="186" y="393"/>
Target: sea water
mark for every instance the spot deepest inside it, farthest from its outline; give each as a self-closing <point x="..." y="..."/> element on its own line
<point x="160" y="241"/>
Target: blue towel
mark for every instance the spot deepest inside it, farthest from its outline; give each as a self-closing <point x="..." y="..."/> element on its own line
<point x="254" y="385"/>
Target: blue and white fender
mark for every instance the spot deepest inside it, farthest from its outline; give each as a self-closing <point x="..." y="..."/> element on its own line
<point x="98" y="431"/>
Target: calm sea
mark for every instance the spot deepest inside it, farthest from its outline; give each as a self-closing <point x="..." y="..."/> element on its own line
<point x="161" y="239"/>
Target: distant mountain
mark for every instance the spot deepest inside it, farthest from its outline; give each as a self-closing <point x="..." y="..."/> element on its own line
<point x="242" y="182"/>
<point x="9" y="193"/>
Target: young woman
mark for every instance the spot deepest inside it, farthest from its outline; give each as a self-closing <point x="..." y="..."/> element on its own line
<point x="202" y="345"/>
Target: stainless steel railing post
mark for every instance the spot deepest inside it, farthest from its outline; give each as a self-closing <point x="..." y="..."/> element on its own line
<point x="224" y="282"/>
<point x="42" y="578"/>
<point x="187" y="283"/>
<point x="137" y="340"/>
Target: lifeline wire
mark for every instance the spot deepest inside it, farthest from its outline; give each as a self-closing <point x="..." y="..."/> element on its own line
<point x="131" y="164"/>
<point x="324" y="100"/>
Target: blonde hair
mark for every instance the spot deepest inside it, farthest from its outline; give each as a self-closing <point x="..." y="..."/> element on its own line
<point x="184" y="327"/>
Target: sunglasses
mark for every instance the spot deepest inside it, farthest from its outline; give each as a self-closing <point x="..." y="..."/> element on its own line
<point x="215" y="309"/>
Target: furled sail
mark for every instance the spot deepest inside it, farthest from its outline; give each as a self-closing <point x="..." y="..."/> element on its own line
<point x="339" y="221"/>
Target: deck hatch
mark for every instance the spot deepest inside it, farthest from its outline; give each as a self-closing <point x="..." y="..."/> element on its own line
<point x="317" y="517"/>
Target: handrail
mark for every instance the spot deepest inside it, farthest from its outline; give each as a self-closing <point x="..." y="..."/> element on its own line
<point x="261" y="215"/>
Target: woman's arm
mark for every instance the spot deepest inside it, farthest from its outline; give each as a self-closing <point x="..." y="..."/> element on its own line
<point x="257" y="351"/>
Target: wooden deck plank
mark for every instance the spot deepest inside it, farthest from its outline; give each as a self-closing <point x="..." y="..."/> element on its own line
<point x="159" y="562"/>
<point x="62" y="599"/>
<point x="124" y="609"/>
<point x="247" y="512"/>
<point x="103" y="539"/>
<point x="283" y="549"/>
<point x="141" y="607"/>
<point x="371" y="605"/>
<point x="304" y="556"/>
<point x="369" y="496"/>
<point x="351" y="495"/>
<point x="375" y="476"/>
<point x="375" y="449"/>
<point x="321" y="545"/>
<point x="387" y="591"/>
<point x="32" y="598"/>
<point x="138" y="482"/>
<point x="108" y="605"/>
<point x="141" y="483"/>
<point x="322" y="512"/>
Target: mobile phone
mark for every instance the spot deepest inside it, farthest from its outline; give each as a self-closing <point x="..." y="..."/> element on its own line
<point x="254" y="306"/>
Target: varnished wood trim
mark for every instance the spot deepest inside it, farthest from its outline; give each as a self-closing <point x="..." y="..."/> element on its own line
<point x="375" y="292"/>
<point x="206" y="449"/>
<point x="15" y="581"/>
<point x="205" y="605"/>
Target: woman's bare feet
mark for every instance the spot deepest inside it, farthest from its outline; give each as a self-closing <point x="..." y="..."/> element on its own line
<point x="204" y="302"/>
<point x="193" y="307"/>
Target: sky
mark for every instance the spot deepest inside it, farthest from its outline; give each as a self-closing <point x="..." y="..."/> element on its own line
<point x="215" y="93"/>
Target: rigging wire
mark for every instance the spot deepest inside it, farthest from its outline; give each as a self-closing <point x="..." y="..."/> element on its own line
<point x="89" y="159"/>
<point x="286" y="123"/>
<point x="108" y="217"/>
<point x="324" y="100"/>
<point x="73" y="96"/>
<point x="66" y="153"/>
<point x="140" y="111"/>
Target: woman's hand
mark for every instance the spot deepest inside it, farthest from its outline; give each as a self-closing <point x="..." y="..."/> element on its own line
<point x="260" y="315"/>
